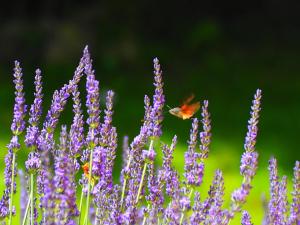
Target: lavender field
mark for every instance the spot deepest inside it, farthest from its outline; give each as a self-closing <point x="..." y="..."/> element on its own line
<point x="70" y="177"/>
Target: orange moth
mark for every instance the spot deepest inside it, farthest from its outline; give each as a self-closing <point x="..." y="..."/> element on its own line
<point x="85" y="169"/>
<point x="187" y="109"/>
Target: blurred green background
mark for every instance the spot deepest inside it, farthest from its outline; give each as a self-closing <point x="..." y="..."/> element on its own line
<point x="219" y="50"/>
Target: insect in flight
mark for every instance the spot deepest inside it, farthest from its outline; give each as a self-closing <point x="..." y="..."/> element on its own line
<point x="187" y="109"/>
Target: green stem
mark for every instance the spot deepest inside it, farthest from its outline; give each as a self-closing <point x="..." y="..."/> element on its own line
<point x="12" y="188"/>
<point x="26" y="212"/>
<point x="143" y="176"/>
<point x="80" y="206"/>
<point x="31" y="197"/>
<point x="182" y="213"/>
<point x="124" y="183"/>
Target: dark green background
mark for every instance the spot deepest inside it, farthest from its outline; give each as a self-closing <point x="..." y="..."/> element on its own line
<point x="219" y="50"/>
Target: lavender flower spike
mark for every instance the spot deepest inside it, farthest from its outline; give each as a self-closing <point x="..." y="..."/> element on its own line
<point x="36" y="108"/>
<point x="246" y="220"/>
<point x="92" y="103"/>
<point x="18" y="124"/>
<point x="158" y="100"/>
<point x="249" y="160"/>
<point x="76" y="132"/>
<point x="295" y="206"/>
<point x="274" y="191"/>
<point x="205" y="135"/>
<point x="250" y="139"/>
<point x="35" y="112"/>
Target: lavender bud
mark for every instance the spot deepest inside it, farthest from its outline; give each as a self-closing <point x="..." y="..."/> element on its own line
<point x="33" y="163"/>
<point x="246" y="220"/>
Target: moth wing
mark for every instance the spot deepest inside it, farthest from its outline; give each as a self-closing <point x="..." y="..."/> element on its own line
<point x="188" y="99"/>
<point x="176" y="112"/>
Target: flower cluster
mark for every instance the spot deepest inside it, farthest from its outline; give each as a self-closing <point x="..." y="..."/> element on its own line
<point x="146" y="192"/>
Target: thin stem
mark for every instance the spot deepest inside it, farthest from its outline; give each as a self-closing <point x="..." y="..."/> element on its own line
<point x="31" y="198"/>
<point x="26" y="212"/>
<point x="125" y="182"/>
<point x="182" y="213"/>
<point x="143" y="176"/>
<point x="12" y="188"/>
<point x="80" y="206"/>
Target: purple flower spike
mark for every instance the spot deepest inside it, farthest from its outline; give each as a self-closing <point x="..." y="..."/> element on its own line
<point x="33" y="163"/>
<point x="158" y="100"/>
<point x="249" y="165"/>
<point x="282" y="201"/>
<point x="36" y="108"/>
<point x="295" y="206"/>
<point x="8" y="171"/>
<point x="212" y="206"/>
<point x="4" y="205"/>
<point x="18" y="124"/>
<point x="35" y="113"/>
<point x="76" y="132"/>
<point x="64" y="183"/>
<point x="190" y="156"/>
<point x="246" y="220"/>
<point x="60" y="97"/>
<point x="205" y="135"/>
<point x="92" y="102"/>
<point x="249" y="160"/>
<point x="274" y="191"/>
<point x="250" y="139"/>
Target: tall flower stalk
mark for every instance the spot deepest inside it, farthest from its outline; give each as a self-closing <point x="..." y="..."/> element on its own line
<point x="156" y="117"/>
<point x="249" y="160"/>
<point x="17" y="127"/>
<point x="92" y="103"/>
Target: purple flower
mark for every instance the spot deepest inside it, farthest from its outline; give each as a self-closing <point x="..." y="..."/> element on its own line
<point x="158" y="100"/>
<point x="92" y="102"/>
<point x="4" y="205"/>
<point x="250" y="139"/>
<point x="64" y="182"/>
<point x="295" y="206"/>
<point x="205" y="135"/>
<point x="76" y="135"/>
<point x="196" y="216"/>
<point x="248" y="165"/>
<point x="108" y="139"/>
<point x="60" y="97"/>
<point x="33" y="163"/>
<point x="8" y="171"/>
<point x="14" y="144"/>
<point x="190" y="159"/>
<point x="35" y="113"/>
<point x="274" y="191"/>
<point x="32" y="134"/>
<point x="212" y="211"/>
<point x="18" y="124"/>
<point x="248" y="161"/>
<point x="246" y="220"/>
<point x="36" y="108"/>
<point x="282" y="201"/>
